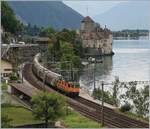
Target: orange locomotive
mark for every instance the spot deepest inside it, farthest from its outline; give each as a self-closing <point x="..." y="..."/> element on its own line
<point x="55" y="80"/>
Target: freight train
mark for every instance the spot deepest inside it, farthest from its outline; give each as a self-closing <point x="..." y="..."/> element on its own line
<point x="54" y="80"/>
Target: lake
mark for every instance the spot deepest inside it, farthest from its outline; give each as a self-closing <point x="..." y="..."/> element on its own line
<point x="130" y="63"/>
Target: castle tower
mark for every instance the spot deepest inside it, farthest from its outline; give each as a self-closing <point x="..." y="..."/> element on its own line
<point x="87" y="24"/>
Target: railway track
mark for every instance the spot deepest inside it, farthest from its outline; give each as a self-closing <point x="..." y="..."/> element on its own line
<point x="88" y="108"/>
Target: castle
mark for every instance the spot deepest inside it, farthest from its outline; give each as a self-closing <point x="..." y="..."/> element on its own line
<point x="95" y="40"/>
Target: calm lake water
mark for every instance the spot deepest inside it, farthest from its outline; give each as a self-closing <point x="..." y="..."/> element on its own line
<point x="131" y="62"/>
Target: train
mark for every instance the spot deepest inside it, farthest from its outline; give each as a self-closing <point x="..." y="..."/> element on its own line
<point x="54" y="80"/>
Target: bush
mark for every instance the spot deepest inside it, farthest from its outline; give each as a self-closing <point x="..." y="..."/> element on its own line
<point x="13" y="77"/>
<point x="125" y="108"/>
<point x="108" y="98"/>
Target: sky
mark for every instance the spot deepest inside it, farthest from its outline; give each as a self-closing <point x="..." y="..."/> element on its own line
<point x="91" y="8"/>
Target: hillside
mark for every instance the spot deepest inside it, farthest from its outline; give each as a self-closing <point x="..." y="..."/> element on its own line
<point x="126" y="15"/>
<point x="8" y="19"/>
<point x="46" y="13"/>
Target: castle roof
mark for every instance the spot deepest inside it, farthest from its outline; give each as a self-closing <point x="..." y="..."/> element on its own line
<point x="87" y="19"/>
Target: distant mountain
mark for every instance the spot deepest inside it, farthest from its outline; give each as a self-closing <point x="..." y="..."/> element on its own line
<point x="46" y="13"/>
<point x="126" y="15"/>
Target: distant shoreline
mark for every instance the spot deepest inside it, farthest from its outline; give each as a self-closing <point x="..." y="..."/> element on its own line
<point x="132" y="38"/>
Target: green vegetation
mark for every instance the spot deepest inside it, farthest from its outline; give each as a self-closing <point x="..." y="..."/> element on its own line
<point x="31" y="30"/>
<point x="75" y="120"/>
<point x="13" y="76"/>
<point x="5" y="121"/>
<point x="126" y="107"/>
<point x="139" y="97"/>
<point x="133" y="115"/>
<point x="47" y="32"/>
<point x="108" y="98"/>
<point x="4" y="85"/>
<point x="68" y="55"/>
<point x="18" y="115"/>
<point x="63" y="48"/>
<point x="48" y="107"/>
<point x="116" y="87"/>
<point x="131" y="33"/>
<point x="8" y="19"/>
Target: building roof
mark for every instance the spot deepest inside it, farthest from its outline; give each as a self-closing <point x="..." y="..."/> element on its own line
<point x="87" y="19"/>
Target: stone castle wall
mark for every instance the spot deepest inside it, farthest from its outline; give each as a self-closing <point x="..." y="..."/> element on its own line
<point x="98" y="47"/>
<point x="95" y="40"/>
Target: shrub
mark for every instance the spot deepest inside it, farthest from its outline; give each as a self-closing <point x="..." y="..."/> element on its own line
<point x="125" y="108"/>
<point x="108" y="98"/>
<point x="13" y="77"/>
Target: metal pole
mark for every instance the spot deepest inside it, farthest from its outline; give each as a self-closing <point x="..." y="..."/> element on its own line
<point x="71" y="71"/>
<point x="94" y="76"/>
<point x="44" y="80"/>
<point x="102" y="104"/>
<point x="22" y="73"/>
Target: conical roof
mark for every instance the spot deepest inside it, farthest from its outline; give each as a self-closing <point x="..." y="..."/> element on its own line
<point x="87" y="19"/>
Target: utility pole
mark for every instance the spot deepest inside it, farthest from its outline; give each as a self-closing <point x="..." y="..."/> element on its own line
<point x="94" y="75"/>
<point x="102" y="119"/>
<point x="22" y="74"/>
<point x="71" y="71"/>
<point x="44" y="78"/>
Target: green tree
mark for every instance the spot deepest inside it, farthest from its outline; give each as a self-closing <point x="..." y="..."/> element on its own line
<point x="48" y="107"/>
<point x="116" y="87"/>
<point x="139" y="97"/>
<point x="47" y="32"/>
<point x="50" y="50"/>
<point x="108" y="98"/>
<point x="66" y="35"/>
<point x="78" y="49"/>
<point x="8" y="19"/>
<point x="5" y="121"/>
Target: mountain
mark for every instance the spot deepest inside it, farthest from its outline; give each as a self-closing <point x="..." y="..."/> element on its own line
<point x="126" y="15"/>
<point x="46" y="13"/>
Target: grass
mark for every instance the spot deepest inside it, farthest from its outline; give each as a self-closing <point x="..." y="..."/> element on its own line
<point x="133" y="115"/>
<point x="8" y="98"/>
<point x="22" y="116"/>
<point x="19" y="115"/>
<point x="76" y="120"/>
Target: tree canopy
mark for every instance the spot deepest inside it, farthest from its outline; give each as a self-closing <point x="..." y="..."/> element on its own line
<point x="47" y="32"/>
<point x="47" y="107"/>
<point x="8" y="19"/>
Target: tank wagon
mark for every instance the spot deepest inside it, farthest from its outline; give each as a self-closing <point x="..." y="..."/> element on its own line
<point x="53" y="79"/>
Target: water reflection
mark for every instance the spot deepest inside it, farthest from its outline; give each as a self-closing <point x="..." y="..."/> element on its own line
<point x="130" y="62"/>
<point x="102" y="71"/>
